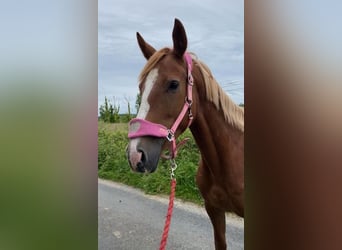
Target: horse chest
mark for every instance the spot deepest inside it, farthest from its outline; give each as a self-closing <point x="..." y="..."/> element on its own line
<point x="213" y="192"/>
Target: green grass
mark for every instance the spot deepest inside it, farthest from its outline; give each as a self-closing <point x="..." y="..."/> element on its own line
<point x="113" y="165"/>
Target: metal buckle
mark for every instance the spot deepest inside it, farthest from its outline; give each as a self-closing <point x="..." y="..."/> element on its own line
<point x="170" y="135"/>
<point x="190" y="79"/>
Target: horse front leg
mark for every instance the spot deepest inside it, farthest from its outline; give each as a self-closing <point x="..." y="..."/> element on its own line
<point x="218" y="219"/>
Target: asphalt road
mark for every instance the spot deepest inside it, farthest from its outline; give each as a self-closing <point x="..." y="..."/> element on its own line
<point x="129" y="219"/>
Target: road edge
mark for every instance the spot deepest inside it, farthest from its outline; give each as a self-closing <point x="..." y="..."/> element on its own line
<point x="231" y="219"/>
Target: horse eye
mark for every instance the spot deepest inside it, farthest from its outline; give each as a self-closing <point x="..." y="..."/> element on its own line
<point x="173" y="85"/>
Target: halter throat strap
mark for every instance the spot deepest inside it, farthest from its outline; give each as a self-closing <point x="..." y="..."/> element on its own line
<point x="141" y="127"/>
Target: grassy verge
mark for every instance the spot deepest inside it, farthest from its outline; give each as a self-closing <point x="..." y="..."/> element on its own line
<point x="113" y="165"/>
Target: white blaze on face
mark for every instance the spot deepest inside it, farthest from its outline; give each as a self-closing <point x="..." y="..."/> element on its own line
<point x="143" y="111"/>
<point x="144" y="105"/>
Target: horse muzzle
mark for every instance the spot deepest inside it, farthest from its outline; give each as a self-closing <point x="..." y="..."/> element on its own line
<point x="143" y="153"/>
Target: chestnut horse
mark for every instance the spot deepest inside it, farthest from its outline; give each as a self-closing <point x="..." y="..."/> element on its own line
<point x="216" y="123"/>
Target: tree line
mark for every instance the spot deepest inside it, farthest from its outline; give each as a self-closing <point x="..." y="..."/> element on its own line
<point x="110" y="112"/>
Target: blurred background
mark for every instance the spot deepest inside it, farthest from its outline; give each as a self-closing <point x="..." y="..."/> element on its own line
<point x="48" y="123"/>
<point x="49" y="109"/>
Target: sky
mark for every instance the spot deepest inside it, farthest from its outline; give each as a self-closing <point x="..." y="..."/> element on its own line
<point x="215" y="32"/>
<point x="58" y="38"/>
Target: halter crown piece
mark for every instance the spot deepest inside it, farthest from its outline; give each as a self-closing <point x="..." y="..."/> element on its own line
<point x="140" y="127"/>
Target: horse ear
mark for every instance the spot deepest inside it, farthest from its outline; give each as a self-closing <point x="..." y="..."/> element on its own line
<point x="145" y="48"/>
<point x="180" y="41"/>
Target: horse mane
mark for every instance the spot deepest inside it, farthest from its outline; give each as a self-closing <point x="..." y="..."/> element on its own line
<point x="233" y="114"/>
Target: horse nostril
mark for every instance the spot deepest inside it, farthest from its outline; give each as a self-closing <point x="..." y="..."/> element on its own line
<point x="141" y="164"/>
<point x="140" y="167"/>
<point x="143" y="156"/>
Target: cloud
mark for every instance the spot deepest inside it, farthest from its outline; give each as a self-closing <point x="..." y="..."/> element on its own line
<point x="214" y="29"/>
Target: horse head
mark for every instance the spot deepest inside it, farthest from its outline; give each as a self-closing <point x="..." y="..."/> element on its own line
<point x="164" y="89"/>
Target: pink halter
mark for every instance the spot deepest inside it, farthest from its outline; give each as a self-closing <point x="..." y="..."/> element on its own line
<point x="140" y="127"/>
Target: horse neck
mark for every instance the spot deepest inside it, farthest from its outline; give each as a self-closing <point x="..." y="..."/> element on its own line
<point x="218" y="141"/>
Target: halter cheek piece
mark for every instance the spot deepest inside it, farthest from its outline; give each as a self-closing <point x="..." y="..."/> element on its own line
<point x="140" y="127"/>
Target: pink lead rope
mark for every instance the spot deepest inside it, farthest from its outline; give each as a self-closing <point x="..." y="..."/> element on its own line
<point x="140" y="127"/>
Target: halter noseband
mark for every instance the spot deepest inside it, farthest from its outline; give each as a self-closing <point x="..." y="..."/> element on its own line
<point x="140" y="127"/>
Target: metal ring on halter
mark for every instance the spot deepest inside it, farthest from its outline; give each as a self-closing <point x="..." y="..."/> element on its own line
<point x="188" y="101"/>
<point x="170" y="135"/>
